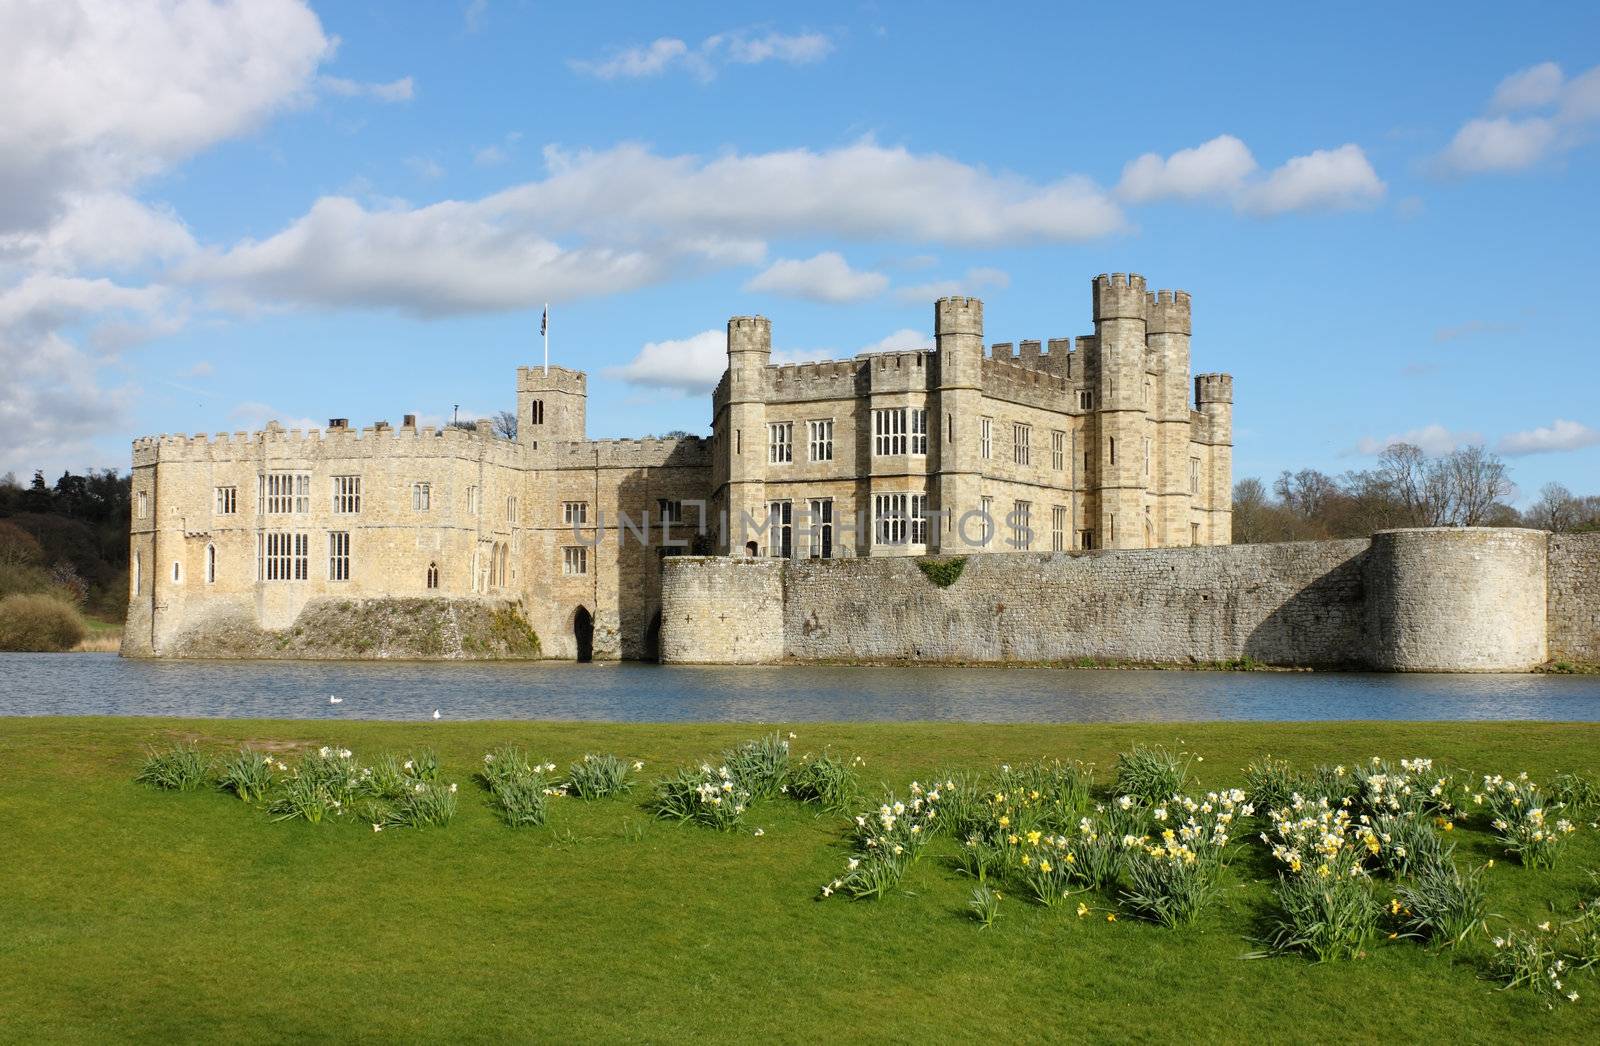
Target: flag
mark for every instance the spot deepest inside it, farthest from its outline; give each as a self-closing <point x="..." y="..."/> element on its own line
<point x="544" y="321"/>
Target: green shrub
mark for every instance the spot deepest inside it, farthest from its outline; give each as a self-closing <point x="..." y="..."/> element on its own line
<point x="1442" y="904"/>
<point x="984" y="906"/>
<point x="386" y="778"/>
<point x="1532" y="959"/>
<point x="869" y="876"/>
<point x="39" y="622"/>
<point x="826" y="781"/>
<point x="521" y="801"/>
<point x="758" y="767"/>
<point x="1057" y="791"/>
<point x="942" y="572"/>
<point x="247" y="775"/>
<point x="1168" y="884"/>
<point x="304" y="797"/>
<point x="1407" y="841"/>
<point x="421" y="765"/>
<point x="598" y="776"/>
<point x="1152" y="774"/>
<point x="1518" y="814"/>
<point x="427" y="804"/>
<point x="1330" y="916"/>
<point x="1271" y="782"/>
<point x="180" y="768"/>
<point x="705" y="796"/>
<point x="1577" y="792"/>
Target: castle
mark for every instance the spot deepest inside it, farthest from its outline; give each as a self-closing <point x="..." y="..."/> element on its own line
<point x="1062" y="447"/>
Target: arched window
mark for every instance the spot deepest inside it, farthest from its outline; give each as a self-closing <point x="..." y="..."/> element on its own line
<point x="433" y="575"/>
<point x="211" y="564"/>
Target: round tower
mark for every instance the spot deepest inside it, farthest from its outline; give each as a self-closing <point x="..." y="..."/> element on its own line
<point x="1213" y="398"/>
<point x="1119" y="323"/>
<point x="745" y="427"/>
<point x="1167" y="328"/>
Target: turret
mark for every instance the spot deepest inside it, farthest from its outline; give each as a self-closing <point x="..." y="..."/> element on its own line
<point x="958" y="331"/>
<point x="1167" y="326"/>
<point x="551" y="405"/>
<point x="1213" y="397"/>
<point x="1119" y="322"/>
<point x="743" y="429"/>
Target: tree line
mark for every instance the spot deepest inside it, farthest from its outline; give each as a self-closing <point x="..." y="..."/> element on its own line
<point x="1467" y="487"/>
<point x="69" y="539"/>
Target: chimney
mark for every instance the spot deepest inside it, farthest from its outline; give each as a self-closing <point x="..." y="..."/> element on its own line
<point x="410" y="422"/>
<point x="338" y="423"/>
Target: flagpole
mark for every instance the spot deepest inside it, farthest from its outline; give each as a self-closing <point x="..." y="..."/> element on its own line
<point x="544" y="328"/>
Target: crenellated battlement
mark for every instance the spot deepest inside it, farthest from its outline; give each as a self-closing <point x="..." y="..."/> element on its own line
<point x="1119" y="296"/>
<point x="534" y="379"/>
<point x="1213" y="388"/>
<point x="277" y="443"/>
<point x="750" y="334"/>
<point x="958" y="315"/>
<point x="1167" y="312"/>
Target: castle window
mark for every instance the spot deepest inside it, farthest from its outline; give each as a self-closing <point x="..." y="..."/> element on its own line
<point x="1194" y="475"/>
<point x="286" y="493"/>
<point x="421" y="497"/>
<point x="1147" y="457"/>
<point x="821" y="439"/>
<point x="1194" y="533"/>
<point x="141" y="505"/>
<point x="177" y="572"/>
<point x="669" y="511"/>
<point x="821" y="528"/>
<point x="986" y="439"/>
<point x="1085" y="399"/>
<point x="1058" y="528"/>
<point x="575" y="560"/>
<point x="346" y="495"/>
<point x="339" y="555"/>
<point x="900" y="519"/>
<point x="919" y="431"/>
<point x="1021" y="532"/>
<point x="536" y="414"/>
<point x="780" y="529"/>
<point x="227" y="500"/>
<point x="1144" y="396"/>
<point x="1086" y="539"/>
<point x="780" y="442"/>
<point x="211" y="564"/>
<point x="1021" y="443"/>
<point x="574" y="513"/>
<point x="889" y="431"/>
<point x="282" y="555"/>
<point x="511" y="509"/>
<point x="433" y="575"/>
<point x="986" y="507"/>
<point x="1058" y="450"/>
<point x="738" y="441"/>
<point x="472" y="501"/>
<point x="1113" y="449"/>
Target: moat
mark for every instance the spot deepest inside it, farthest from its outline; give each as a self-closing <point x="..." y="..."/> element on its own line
<point x="104" y="684"/>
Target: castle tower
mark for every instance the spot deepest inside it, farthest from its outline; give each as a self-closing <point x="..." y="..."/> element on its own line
<point x="958" y="332"/>
<point x="1167" y="328"/>
<point x="550" y="407"/>
<point x="1213" y="397"/>
<point x="749" y="353"/>
<point x="1119" y="323"/>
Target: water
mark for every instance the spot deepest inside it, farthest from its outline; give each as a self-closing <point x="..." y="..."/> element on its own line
<point x="104" y="684"/>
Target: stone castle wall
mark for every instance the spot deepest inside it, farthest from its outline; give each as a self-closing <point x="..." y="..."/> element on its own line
<point x="724" y="611"/>
<point x="1447" y="600"/>
<point x="1574" y="597"/>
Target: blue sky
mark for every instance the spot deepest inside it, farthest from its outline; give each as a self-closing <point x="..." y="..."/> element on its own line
<point x="218" y="214"/>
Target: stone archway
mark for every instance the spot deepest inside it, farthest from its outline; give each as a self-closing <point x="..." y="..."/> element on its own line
<point x="583" y="633"/>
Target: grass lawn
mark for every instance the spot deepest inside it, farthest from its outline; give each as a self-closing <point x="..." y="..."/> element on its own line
<point x="132" y="914"/>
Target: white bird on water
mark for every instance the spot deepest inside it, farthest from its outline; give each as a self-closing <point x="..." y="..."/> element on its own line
<point x="436" y="713"/>
<point x="335" y="700"/>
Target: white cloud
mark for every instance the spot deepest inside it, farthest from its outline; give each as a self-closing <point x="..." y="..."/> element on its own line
<point x="102" y="93"/>
<point x="201" y="369"/>
<point x="1559" y="435"/>
<point x="609" y="221"/>
<point x="425" y="167"/>
<point x="685" y="365"/>
<point x="474" y="14"/>
<point x="100" y="230"/>
<point x="1433" y="439"/>
<point x="976" y="279"/>
<point x="903" y="340"/>
<point x="400" y="90"/>
<point x="826" y="278"/>
<point x="1327" y="179"/>
<point x="1217" y="168"/>
<point x="1506" y="141"/>
<point x="1499" y="144"/>
<point x="1529" y="89"/>
<point x="702" y="61"/>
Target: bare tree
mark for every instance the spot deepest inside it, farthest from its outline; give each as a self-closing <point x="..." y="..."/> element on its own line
<point x="1554" y="511"/>
<point x="505" y="424"/>
<point x="1476" y="480"/>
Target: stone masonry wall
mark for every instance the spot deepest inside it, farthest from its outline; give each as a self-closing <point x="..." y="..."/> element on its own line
<point x="1289" y="604"/>
<point x="721" y="610"/>
<point x="1574" y="606"/>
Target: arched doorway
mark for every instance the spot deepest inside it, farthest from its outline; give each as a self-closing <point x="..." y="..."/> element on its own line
<point x="583" y="633"/>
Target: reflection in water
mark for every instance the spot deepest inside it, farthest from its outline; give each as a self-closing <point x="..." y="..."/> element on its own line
<point x="104" y="684"/>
